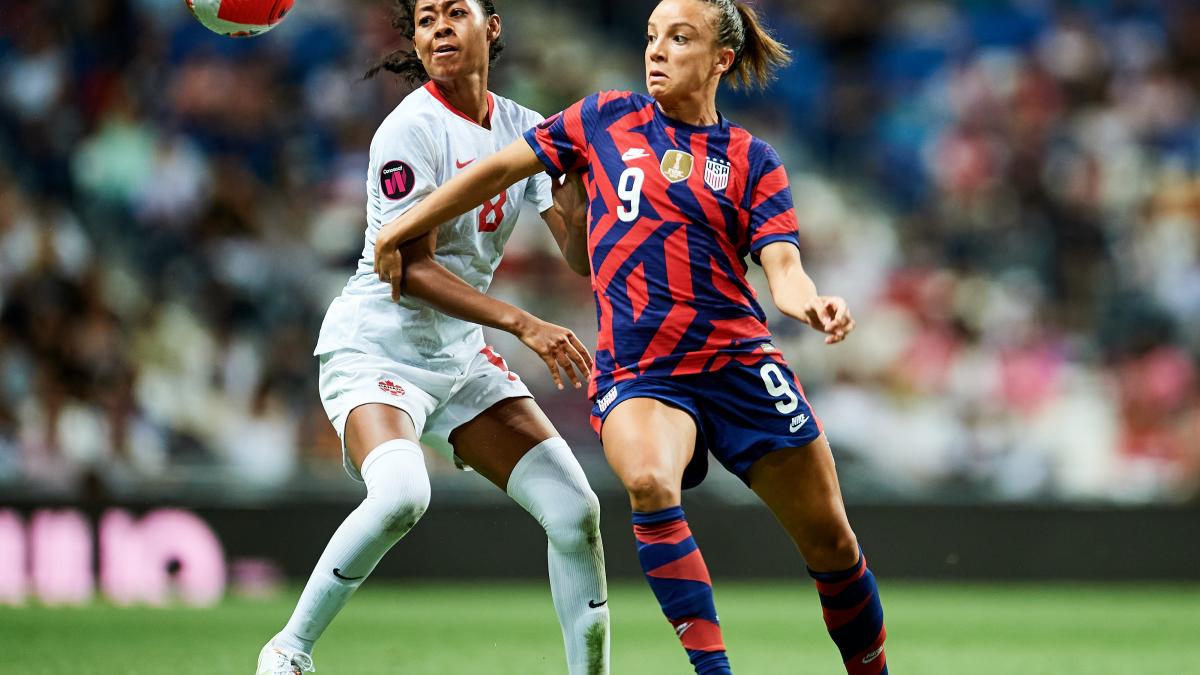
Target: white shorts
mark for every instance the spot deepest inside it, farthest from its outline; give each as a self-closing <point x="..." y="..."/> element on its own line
<point x="438" y="403"/>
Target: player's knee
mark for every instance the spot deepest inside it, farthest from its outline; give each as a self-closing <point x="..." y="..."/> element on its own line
<point x="399" y="510"/>
<point x="651" y="490"/>
<point x="402" y="514"/>
<point x="575" y="526"/>
<point x="833" y="550"/>
<point x="397" y="487"/>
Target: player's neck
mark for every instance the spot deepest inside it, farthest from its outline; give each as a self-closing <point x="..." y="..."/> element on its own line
<point x="468" y="95"/>
<point x="696" y="111"/>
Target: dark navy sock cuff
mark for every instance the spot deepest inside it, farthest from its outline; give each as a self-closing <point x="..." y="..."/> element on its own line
<point x="834" y="577"/>
<point x="710" y="663"/>
<point x="666" y="515"/>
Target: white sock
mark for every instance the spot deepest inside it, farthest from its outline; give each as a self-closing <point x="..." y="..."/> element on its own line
<point x="397" y="496"/>
<point x="550" y="484"/>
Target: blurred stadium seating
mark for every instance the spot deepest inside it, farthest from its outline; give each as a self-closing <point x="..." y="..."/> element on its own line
<point x="1008" y="193"/>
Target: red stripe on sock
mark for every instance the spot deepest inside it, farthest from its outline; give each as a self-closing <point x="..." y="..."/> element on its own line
<point x="835" y="588"/>
<point x="690" y="567"/>
<point x="671" y="532"/>
<point x="700" y="635"/>
<point x="876" y="655"/>
<point x="836" y="618"/>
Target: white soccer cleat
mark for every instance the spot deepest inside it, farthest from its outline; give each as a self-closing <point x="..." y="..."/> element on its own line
<point x="274" y="660"/>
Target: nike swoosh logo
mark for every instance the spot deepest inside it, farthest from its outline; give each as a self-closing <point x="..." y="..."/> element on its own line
<point x="463" y="164"/>
<point x="593" y="604"/>
<point x="337" y="572"/>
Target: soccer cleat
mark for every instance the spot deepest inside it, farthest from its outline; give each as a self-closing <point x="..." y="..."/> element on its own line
<point x="274" y="660"/>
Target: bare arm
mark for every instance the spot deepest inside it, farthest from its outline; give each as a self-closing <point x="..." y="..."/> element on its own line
<point x="567" y="221"/>
<point x="425" y="278"/>
<point x="486" y="179"/>
<point x="795" y="294"/>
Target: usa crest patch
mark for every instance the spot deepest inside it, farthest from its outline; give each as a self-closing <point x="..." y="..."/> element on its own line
<point x="716" y="173"/>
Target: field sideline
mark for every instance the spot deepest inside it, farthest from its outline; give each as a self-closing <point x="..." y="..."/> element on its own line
<point x="509" y="629"/>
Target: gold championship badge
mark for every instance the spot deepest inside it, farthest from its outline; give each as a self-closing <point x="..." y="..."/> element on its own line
<point x="676" y="165"/>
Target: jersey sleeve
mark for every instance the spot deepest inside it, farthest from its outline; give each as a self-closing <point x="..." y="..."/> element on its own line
<point x="538" y="192"/>
<point x="537" y="187"/>
<point x="560" y="142"/>
<point x="402" y="168"/>
<point x="772" y="214"/>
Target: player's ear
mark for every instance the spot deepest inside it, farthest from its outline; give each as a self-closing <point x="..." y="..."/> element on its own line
<point x="493" y="28"/>
<point x="726" y="57"/>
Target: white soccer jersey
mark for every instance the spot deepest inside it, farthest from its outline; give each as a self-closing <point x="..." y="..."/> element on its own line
<point x="421" y="145"/>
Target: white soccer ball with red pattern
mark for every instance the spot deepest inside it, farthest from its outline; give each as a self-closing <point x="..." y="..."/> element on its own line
<point x="240" y="18"/>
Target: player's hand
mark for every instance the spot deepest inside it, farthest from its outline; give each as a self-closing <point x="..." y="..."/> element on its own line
<point x="829" y="314"/>
<point x="570" y="199"/>
<point x="389" y="264"/>
<point x="558" y="347"/>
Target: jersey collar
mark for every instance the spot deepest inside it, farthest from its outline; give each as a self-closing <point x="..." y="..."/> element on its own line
<point x="433" y="89"/>
<point x="721" y="124"/>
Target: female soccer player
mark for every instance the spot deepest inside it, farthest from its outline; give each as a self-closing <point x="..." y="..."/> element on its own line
<point x="678" y="197"/>
<point x="393" y="371"/>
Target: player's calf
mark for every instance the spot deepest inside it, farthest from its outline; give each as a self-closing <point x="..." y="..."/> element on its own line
<point x="854" y="616"/>
<point x="397" y="495"/>
<point x="549" y="483"/>
<point x="680" y="581"/>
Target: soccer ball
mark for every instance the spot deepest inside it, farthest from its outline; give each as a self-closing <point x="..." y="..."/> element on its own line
<point x="239" y="18"/>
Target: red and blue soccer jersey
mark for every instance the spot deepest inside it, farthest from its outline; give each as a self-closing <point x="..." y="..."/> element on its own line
<point x="674" y="211"/>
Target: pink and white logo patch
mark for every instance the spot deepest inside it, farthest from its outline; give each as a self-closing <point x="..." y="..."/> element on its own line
<point x="391" y="388"/>
<point x="395" y="179"/>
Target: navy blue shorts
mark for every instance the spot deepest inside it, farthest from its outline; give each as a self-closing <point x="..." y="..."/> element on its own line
<point x="751" y="407"/>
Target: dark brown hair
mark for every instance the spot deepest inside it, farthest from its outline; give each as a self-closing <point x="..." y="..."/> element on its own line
<point x="757" y="54"/>
<point x="404" y="61"/>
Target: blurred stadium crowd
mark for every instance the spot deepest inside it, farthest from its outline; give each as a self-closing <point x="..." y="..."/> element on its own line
<point x="1008" y="193"/>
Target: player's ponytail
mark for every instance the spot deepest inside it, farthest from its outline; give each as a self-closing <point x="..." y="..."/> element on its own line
<point x="758" y="54"/>
<point x="405" y="62"/>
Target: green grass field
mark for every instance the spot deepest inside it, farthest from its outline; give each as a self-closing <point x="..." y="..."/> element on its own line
<point x="509" y="629"/>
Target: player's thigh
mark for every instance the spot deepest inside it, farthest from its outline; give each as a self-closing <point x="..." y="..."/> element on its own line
<point x="648" y="444"/>
<point x="372" y="424"/>
<point x="800" y="486"/>
<point x="495" y="440"/>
